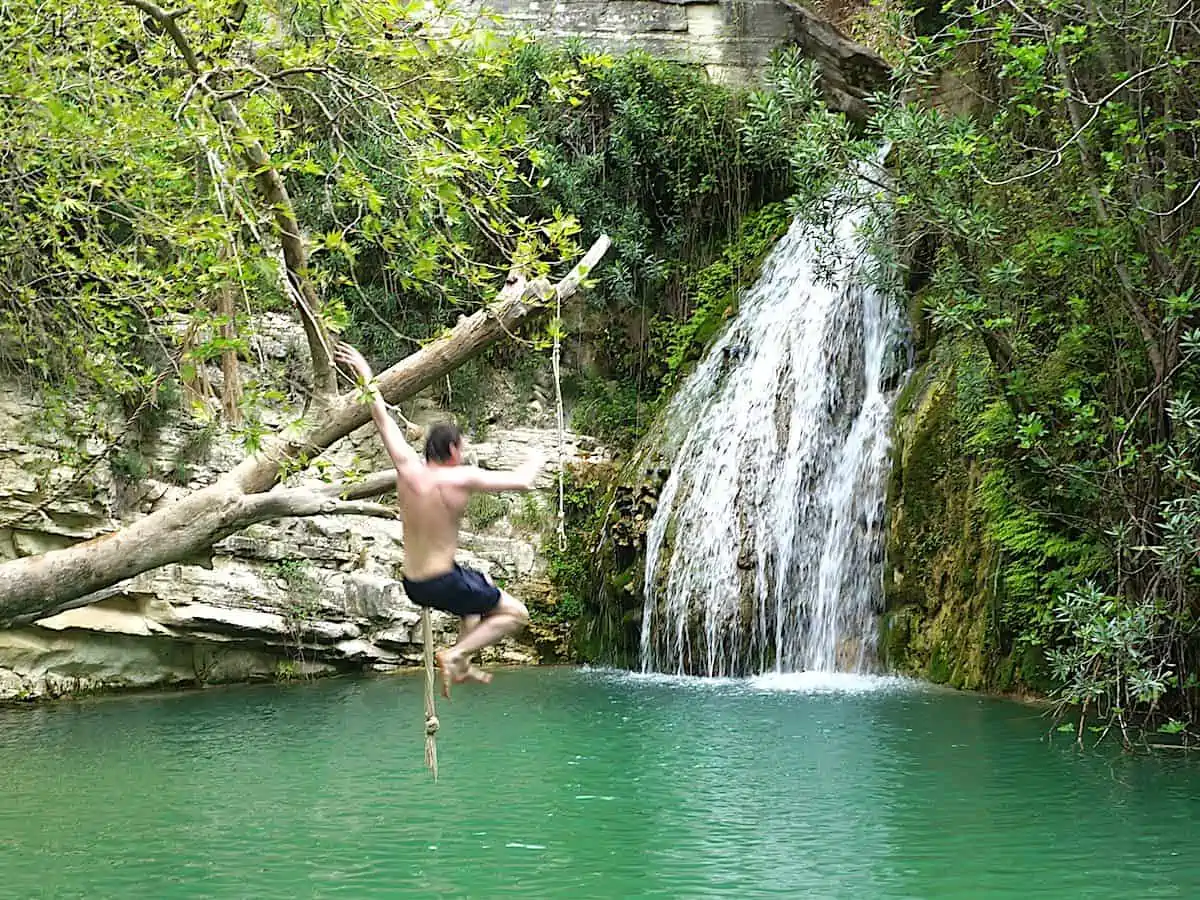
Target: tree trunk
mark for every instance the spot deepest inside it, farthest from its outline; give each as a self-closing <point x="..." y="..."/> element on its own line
<point x="196" y="387"/>
<point x="33" y="586"/>
<point x="275" y="194"/>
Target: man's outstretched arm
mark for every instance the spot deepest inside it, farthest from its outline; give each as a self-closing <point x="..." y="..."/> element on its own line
<point x="522" y="478"/>
<point x="404" y="458"/>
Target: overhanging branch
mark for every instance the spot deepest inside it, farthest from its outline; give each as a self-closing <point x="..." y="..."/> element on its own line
<point x="471" y="336"/>
<point x="302" y="502"/>
<point x="185" y="529"/>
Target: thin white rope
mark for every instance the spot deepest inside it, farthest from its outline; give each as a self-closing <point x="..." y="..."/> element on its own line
<point x="555" y="361"/>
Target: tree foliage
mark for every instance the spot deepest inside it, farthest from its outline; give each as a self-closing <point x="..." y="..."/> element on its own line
<point x="367" y="165"/>
<point x="1049" y="211"/>
<point x="178" y="140"/>
<point x="673" y="167"/>
<point x="422" y="157"/>
<point x="133" y="195"/>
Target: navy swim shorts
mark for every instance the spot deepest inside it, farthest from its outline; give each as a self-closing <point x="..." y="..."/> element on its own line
<point x="461" y="591"/>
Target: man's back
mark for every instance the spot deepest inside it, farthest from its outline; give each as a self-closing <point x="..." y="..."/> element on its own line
<point x="431" y="508"/>
<point x="432" y="497"/>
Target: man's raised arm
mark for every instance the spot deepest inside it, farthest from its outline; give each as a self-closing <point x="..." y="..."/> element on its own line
<point x="522" y="478"/>
<point x="404" y="458"/>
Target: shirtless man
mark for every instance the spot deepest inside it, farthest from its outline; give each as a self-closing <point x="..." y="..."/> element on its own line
<point x="433" y="495"/>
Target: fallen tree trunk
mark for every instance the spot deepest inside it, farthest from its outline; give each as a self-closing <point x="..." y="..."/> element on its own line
<point x="187" y="528"/>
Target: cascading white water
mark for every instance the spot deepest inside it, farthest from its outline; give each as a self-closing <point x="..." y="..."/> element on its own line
<point x="765" y="549"/>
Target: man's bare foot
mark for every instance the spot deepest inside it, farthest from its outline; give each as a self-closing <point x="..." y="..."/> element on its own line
<point x="476" y="674"/>
<point x="454" y="668"/>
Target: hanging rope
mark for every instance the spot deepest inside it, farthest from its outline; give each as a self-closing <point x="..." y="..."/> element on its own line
<point x="562" y="427"/>
<point x="431" y="720"/>
<point x="571" y="281"/>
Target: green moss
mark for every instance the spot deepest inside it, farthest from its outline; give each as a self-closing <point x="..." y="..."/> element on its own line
<point x="619" y="582"/>
<point x="894" y="635"/>
<point x="713" y="293"/>
<point x="1033" y="671"/>
<point x="919" y="494"/>
<point x="1006" y="674"/>
<point x="938" y="670"/>
<point x="941" y="564"/>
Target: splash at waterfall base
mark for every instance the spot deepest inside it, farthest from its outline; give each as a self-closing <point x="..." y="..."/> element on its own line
<point x="938" y="573"/>
<point x="927" y="567"/>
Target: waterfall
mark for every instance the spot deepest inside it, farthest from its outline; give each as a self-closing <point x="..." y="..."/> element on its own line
<point x="765" y="551"/>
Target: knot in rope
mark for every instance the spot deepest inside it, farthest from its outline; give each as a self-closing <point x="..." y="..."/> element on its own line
<point x="431" y="725"/>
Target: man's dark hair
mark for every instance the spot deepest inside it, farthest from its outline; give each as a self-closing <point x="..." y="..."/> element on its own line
<point x="441" y="438"/>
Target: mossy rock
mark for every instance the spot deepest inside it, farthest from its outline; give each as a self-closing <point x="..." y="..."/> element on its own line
<point x="941" y="566"/>
<point x="1033" y="671"/>
<point x="938" y="670"/>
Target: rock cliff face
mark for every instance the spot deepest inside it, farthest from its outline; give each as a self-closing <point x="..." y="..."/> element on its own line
<point x="283" y="599"/>
<point x="940" y="565"/>
<point x="942" y="579"/>
<point x="731" y="39"/>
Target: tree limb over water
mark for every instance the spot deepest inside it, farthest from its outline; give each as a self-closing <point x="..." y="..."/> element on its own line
<point x="33" y="585"/>
<point x="186" y="529"/>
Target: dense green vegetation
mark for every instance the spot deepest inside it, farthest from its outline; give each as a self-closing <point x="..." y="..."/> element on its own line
<point x="420" y="170"/>
<point x="143" y="239"/>
<point x="1050" y="223"/>
<point x="1041" y="165"/>
<point x="140" y="237"/>
<point x="673" y="168"/>
<point x="1042" y="178"/>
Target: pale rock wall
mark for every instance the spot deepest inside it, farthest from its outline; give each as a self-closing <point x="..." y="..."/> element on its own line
<point x="731" y="39"/>
<point x="282" y="599"/>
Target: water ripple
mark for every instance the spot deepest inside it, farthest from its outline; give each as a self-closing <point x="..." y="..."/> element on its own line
<point x="583" y="784"/>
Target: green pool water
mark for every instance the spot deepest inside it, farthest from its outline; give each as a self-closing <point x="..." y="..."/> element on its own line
<point x="570" y="783"/>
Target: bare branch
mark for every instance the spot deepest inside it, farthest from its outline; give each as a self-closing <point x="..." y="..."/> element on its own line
<point x="1056" y="154"/>
<point x="470" y="337"/>
<point x="188" y="527"/>
<point x="1180" y="205"/>
<point x="359" y="508"/>
<point x="374" y="485"/>
<point x="262" y="80"/>
<point x="169" y="23"/>
<point x="569" y="286"/>
<point x="301" y="502"/>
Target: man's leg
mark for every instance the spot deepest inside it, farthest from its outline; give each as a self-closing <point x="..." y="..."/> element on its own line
<point x="466" y="625"/>
<point x="510" y="615"/>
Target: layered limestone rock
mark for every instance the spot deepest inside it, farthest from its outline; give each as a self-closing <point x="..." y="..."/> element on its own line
<point x="301" y="597"/>
<point x="283" y="599"/>
<point x="732" y="39"/>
